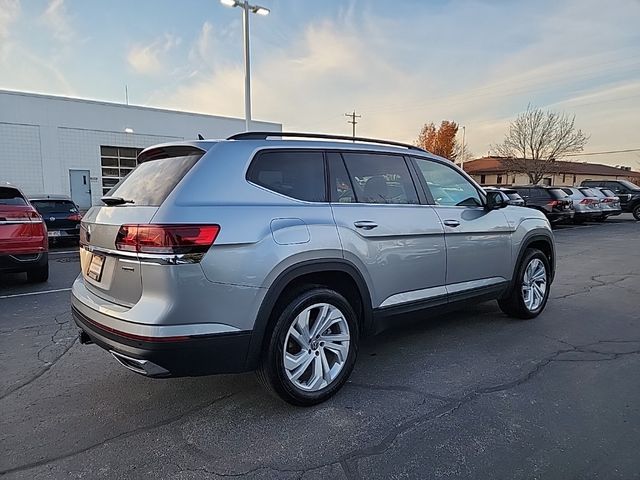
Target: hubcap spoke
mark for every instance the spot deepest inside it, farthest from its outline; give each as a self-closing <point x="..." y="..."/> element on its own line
<point x="316" y="347"/>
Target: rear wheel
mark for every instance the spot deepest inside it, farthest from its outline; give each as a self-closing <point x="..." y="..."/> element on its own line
<point x="38" y="275"/>
<point x="312" y="349"/>
<point x="531" y="289"/>
<point x="636" y="211"/>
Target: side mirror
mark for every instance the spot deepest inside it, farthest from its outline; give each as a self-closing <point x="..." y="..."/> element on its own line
<point x="495" y="200"/>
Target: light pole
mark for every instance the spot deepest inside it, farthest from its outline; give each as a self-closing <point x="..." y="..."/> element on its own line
<point x="464" y="131"/>
<point x="246" y="9"/>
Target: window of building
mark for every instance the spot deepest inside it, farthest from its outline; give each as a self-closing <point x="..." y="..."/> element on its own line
<point x="564" y="177"/>
<point x="513" y="180"/>
<point x="296" y="174"/>
<point x="499" y="179"/>
<point x="483" y="179"/>
<point x="380" y="178"/>
<point x="116" y="163"/>
<point x="546" y="181"/>
<point x="575" y="179"/>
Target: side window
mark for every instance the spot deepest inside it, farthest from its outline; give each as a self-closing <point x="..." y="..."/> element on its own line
<point x="447" y="186"/>
<point x="380" y="178"/>
<point x="340" y="188"/>
<point x="296" y="174"/>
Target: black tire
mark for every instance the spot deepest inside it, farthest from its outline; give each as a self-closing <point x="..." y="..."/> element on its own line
<point x="636" y="211"/>
<point x="38" y="275"/>
<point x="513" y="304"/>
<point x="601" y="218"/>
<point x="271" y="371"/>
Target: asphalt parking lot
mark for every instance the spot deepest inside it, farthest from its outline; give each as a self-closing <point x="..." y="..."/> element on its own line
<point x="470" y="395"/>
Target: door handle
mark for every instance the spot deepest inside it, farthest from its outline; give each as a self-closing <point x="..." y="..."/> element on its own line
<point x="365" y="224"/>
<point x="452" y="223"/>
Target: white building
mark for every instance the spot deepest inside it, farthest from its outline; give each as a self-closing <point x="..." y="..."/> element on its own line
<point x="82" y="148"/>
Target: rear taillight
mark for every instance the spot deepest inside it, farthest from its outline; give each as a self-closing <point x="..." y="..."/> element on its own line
<point x="74" y="217"/>
<point x="553" y="203"/>
<point x="171" y="239"/>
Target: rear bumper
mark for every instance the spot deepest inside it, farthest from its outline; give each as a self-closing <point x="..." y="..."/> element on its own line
<point x="170" y="356"/>
<point x="556" y="217"/>
<point x="23" y="262"/>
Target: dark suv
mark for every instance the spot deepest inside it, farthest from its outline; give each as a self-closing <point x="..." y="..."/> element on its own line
<point x="628" y="193"/>
<point x="552" y="201"/>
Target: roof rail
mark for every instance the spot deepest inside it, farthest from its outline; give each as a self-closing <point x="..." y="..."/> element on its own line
<point x="324" y="136"/>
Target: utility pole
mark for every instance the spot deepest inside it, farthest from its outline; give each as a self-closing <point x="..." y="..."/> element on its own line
<point x="464" y="131"/>
<point x="353" y="121"/>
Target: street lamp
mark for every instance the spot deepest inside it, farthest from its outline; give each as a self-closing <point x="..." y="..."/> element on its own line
<point x="246" y="9"/>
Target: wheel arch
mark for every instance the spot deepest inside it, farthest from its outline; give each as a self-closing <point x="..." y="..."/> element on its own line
<point x="339" y="274"/>
<point x="542" y="241"/>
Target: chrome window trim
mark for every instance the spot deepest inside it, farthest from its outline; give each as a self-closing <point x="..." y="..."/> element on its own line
<point x="147" y="258"/>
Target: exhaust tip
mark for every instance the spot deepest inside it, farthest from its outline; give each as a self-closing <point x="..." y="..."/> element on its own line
<point x="143" y="367"/>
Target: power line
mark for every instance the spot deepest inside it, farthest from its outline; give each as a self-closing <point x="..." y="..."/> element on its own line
<point x="353" y="121"/>
<point x="603" y="153"/>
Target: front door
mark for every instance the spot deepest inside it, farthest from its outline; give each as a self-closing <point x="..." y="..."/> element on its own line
<point x="478" y="240"/>
<point x="80" y="183"/>
<point x="395" y="241"/>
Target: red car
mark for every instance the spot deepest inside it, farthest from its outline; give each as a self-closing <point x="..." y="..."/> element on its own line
<point x="23" y="236"/>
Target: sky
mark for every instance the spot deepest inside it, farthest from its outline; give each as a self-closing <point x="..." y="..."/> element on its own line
<point x="400" y="64"/>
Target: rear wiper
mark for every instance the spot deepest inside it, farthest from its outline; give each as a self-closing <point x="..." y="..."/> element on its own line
<point x="115" y="200"/>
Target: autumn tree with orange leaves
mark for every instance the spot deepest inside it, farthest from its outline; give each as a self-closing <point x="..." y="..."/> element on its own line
<point x="441" y="140"/>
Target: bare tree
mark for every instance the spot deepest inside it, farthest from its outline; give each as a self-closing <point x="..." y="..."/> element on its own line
<point x="536" y="139"/>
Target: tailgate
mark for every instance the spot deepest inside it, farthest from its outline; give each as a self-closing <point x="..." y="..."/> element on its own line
<point x="108" y="273"/>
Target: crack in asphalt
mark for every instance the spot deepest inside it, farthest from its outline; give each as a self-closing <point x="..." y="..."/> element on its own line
<point x="349" y="461"/>
<point x="119" y="436"/>
<point x="600" y="283"/>
<point x="48" y="364"/>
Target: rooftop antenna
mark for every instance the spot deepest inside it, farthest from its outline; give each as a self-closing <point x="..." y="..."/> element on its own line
<point x="200" y="137"/>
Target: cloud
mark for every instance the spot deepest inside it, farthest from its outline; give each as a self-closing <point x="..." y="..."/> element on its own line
<point x="9" y="13"/>
<point x="148" y="59"/>
<point x="58" y="21"/>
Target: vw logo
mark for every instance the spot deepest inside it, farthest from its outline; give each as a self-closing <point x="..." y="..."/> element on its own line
<point x="52" y="219"/>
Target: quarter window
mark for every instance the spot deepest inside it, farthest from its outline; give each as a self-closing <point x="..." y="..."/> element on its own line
<point x="340" y="188"/>
<point x="296" y="174"/>
<point x="380" y="178"/>
<point x="447" y="186"/>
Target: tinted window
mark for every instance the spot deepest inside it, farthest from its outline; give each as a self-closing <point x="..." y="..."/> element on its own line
<point x="340" y="188"/>
<point x="448" y="186"/>
<point x="628" y="185"/>
<point x="608" y="193"/>
<point x="54" y="206"/>
<point x="11" y="196"/>
<point x="380" y="178"/>
<point x="557" y="192"/>
<point x="514" y="196"/>
<point x="152" y="181"/>
<point x="296" y="174"/>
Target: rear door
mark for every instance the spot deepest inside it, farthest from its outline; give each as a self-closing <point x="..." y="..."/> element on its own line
<point x="478" y="241"/>
<point x="384" y="229"/>
<point x="112" y="273"/>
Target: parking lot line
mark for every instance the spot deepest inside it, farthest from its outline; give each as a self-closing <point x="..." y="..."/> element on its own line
<point x="65" y="252"/>
<point x="35" y="293"/>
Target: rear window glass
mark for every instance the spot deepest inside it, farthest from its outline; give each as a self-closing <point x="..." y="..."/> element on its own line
<point x="11" y="196"/>
<point x="296" y="174"/>
<point x="514" y="196"/>
<point x="557" y="192"/>
<point x="608" y="193"/>
<point x="152" y="181"/>
<point x="54" y="206"/>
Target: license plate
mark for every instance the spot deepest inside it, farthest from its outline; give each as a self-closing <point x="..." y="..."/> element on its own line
<point x="95" y="267"/>
<point x="54" y="233"/>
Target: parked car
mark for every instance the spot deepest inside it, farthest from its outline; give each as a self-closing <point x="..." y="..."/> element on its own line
<point x="61" y="215"/>
<point x="608" y="205"/>
<point x="23" y="236"/>
<point x="277" y="253"/>
<point x="628" y="193"/>
<point x="611" y="203"/>
<point x="586" y="204"/>
<point x="552" y="201"/>
<point x="511" y="196"/>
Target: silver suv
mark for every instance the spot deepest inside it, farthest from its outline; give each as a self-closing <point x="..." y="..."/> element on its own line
<point x="277" y="252"/>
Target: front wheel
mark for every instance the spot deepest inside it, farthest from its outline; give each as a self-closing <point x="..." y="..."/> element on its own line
<point x="636" y="211"/>
<point x="530" y="292"/>
<point x="312" y="349"/>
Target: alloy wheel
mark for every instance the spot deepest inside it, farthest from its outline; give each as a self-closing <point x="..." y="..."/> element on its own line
<point x="316" y="347"/>
<point x="534" y="284"/>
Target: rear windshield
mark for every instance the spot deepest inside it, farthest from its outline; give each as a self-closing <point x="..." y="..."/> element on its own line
<point x="557" y="192"/>
<point x="608" y="193"/>
<point x="513" y="195"/>
<point x="152" y="181"/>
<point x="54" y="206"/>
<point x="11" y="196"/>
<point x="592" y="192"/>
